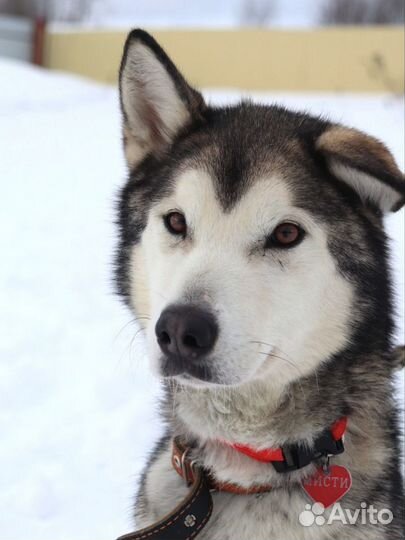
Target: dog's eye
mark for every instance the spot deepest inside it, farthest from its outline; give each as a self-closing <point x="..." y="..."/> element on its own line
<point x="176" y="223"/>
<point x="285" y="235"/>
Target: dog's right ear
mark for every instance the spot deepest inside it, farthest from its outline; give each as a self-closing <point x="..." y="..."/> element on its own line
<point x="156" y="101"/>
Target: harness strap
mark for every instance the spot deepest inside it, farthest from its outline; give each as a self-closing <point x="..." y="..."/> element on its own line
<point x="188" y="518"/>
<point x="183" y="465"/>
<point x="192" y="514"/>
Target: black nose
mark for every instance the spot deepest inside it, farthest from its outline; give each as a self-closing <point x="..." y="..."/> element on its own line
<point x="186" y="332"/>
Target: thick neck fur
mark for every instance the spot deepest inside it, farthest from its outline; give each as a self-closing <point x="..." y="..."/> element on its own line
<point x="255" y="414"/>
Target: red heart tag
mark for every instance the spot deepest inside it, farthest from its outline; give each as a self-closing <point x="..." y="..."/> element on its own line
<point x="328" y="487"/>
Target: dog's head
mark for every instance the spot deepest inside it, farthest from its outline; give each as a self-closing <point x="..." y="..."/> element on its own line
<point x="251" y="237"/>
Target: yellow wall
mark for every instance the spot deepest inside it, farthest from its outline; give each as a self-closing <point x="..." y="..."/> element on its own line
<point x="345" y="59"/>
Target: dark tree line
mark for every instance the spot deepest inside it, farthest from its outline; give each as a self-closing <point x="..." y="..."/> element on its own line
<point x="363" y="12"/>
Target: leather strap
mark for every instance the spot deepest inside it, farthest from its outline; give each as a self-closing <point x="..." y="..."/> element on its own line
<point x="187" y="519"/>
<point x="184" y="466"/>
<point x="191" y="515"/>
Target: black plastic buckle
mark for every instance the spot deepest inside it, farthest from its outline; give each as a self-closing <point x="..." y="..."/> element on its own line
<point x="296" y="457"/>
<point x="326" y="444"/>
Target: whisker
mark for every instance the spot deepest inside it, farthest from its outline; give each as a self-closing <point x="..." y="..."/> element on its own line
<point x="283" y="358"/>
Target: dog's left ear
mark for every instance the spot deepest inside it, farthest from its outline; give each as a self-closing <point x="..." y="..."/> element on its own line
<point x="365" y="164"/>
<point x="156" y="101"/>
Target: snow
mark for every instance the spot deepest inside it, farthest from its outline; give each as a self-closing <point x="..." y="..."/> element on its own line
<point x="227" y="14"/>
<point x="206" y="14"/>
<point x="77" y="403"/>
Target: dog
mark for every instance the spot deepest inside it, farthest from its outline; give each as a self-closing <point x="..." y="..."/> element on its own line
<point x="253" y="254"/>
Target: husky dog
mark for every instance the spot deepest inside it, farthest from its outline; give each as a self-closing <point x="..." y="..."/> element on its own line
<point x="252" y="250"/>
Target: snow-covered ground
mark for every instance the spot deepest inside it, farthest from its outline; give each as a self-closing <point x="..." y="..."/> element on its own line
<point x="77" y="405"/>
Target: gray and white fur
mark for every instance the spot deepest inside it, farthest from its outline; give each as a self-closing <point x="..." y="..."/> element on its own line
<point x="303" y="335"/>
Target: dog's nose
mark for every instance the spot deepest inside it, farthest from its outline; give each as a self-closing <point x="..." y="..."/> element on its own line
<point x="187" y="332"/>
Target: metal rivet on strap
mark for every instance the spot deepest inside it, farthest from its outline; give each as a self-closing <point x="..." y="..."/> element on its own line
<point x="190" y="520"/>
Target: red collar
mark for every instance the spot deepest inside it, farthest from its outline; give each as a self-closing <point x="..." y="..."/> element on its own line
<point x="270" y="455"/>
<point x="286" y="459"/>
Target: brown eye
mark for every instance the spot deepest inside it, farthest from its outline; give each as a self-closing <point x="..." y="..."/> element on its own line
<point x="176" y="223"/>
<point x="286" y="235"/>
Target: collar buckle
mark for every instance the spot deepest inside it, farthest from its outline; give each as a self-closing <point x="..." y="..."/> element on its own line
<point x="296" y="456"/>
<point x="185" y="466"/>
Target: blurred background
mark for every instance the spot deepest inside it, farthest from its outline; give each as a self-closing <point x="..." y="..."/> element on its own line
<point x="78" y="411"/>
<point x="228" y="13"/>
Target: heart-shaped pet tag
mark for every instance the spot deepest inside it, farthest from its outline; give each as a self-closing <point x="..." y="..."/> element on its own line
<point x="328" y="487"/>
